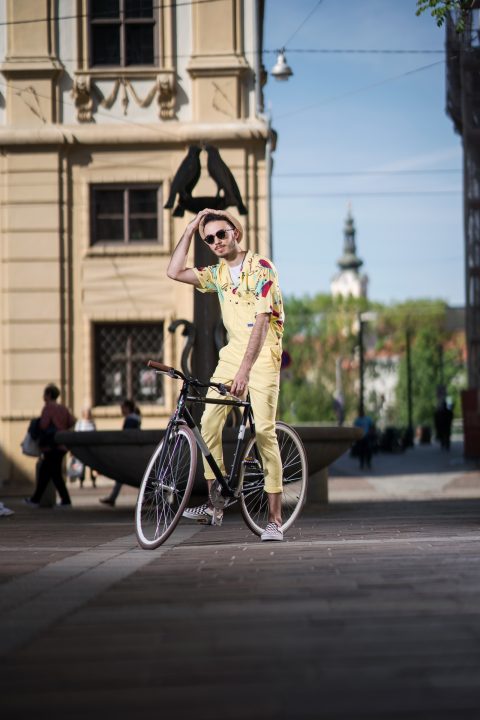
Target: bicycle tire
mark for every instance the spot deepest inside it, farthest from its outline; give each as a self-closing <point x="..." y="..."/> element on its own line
<point x="253" y="498"/>
<point x="166" y="487"/>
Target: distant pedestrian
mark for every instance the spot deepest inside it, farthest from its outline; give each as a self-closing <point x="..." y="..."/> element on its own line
<point x="339" y="409"/>
<point x="54" y="417"/>
<point x="132" y="421"/>
<point x="77" y="469"/>
<point x="443" y="424"/>
<point x="364" y="446"/>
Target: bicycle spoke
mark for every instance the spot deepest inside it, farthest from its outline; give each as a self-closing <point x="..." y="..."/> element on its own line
<point x="166" y="487"/>
<point x="254" y="500"/>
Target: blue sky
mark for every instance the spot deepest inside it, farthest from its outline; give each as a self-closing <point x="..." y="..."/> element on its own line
<point x="412" y="245"/>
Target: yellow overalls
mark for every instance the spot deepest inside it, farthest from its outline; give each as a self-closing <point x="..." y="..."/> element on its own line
<point x="257" y="292"/>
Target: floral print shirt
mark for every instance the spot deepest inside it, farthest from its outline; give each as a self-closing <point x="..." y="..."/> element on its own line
<point x="257" y="292"/>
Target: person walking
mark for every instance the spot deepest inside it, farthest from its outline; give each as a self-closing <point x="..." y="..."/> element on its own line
<point x="132" y="421"/>
<point x="252" y="311"/>
<point x="77" y="469"/>
<point x="54" y="417"/>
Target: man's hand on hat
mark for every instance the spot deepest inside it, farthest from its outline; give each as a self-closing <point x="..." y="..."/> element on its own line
<point x="195" y="223"/>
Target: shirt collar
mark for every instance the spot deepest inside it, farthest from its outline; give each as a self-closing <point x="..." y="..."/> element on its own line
<point x="247" y="259"/>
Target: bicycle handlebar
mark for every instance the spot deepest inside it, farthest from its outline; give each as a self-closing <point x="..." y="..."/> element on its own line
<point x="164" y="368"/>
<point x="172" y="372"/>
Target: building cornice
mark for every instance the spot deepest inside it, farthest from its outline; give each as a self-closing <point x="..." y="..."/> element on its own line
<point x="32" y="67"/>
<point x="217" y="65"/>
<point x="148" y="135"/>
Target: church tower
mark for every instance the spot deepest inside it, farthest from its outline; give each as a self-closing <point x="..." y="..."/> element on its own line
<point x="348" y="281"/>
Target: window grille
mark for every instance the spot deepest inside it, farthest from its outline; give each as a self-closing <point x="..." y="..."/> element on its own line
<point x="125" y="214"/>
<point x="122" y="33"/>
<point x="121" y="352"/>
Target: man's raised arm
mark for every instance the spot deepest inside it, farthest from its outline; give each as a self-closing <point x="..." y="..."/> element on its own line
<point x="177" y="269"/>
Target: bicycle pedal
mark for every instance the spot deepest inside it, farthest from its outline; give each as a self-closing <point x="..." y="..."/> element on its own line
<point x="216" y="497"/>
<point x="217" y="517"/>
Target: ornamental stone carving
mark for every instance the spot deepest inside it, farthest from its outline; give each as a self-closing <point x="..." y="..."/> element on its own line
<point x="166" y="95"/>
<point x="82" y="96"/>
<point x="163" y="88"/>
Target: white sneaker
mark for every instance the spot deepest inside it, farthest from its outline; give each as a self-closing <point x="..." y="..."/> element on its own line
<point x="202" y="513"/>
<point x="272" y="532"/>
<point x="206" y="514"/>
<point x="4" y="511"/>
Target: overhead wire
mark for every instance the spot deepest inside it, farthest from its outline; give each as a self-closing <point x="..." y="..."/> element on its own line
<point x="282" y="196"/>
<point x="393" y="193"/>
<point x="313" y="51"/>
<point x="314" y="9"/>
<point x="349" y="173"/>
<point x="363" y="88"/>
<point x="153" y="162"/>
<point x="361" y="51"/>
<point x="327" y="173"/>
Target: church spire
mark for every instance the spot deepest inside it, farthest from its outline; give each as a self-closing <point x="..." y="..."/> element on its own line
<point x="349" y="259"/>
<point x="348" y="282"/>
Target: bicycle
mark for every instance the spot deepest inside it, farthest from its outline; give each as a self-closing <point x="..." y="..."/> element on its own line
<point x="169" y="477"/>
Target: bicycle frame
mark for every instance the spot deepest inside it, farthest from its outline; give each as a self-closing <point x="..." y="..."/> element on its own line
<point x="182" y="414"/>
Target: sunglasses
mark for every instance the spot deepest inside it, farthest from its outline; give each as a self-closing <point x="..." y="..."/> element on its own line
<point x="219" y="235"/>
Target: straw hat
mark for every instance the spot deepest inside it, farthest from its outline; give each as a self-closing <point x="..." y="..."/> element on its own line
<point x="222" y="214"/>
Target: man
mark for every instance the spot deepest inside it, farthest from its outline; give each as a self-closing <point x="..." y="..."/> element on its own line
<point x="54" y="417"/>
<point x="252" y="312"/>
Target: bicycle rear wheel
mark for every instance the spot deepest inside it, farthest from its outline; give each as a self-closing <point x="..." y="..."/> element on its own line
<point x="254" y="499"/>
<point x="166" y="487"/>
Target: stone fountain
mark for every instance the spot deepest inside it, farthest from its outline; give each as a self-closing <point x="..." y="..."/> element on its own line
<point x="123" y="455"/>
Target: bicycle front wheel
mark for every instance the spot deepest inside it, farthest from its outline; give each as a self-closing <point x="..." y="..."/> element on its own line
<point x="254" y="499"/>
<point x="166" y="487"/>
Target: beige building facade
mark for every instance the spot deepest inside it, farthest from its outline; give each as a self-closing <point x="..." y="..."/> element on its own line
<point x="99" y="102"/>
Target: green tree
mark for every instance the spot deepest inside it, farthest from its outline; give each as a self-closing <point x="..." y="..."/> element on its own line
<point x="426" y="377"/>
<point x="435" y="365"/>
<point x="439" y="9"/>
<point x="318" y="330"/>
<point x="321" y="330"/>
<point x="436" y="356"/>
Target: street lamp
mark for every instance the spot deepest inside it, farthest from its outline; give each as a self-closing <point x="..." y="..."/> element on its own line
<point x="408" y="354"/>
<point x="281" y="70"/>
<point x="363" y="317"/>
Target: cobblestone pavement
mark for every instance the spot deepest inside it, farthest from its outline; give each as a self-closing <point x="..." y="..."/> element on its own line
<point x="368" y="610"/>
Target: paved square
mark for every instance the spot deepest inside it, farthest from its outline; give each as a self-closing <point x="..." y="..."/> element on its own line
<point x="368" y="610"/>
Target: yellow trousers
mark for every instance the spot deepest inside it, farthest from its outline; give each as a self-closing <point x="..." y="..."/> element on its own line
<point x="263" y="387"/>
